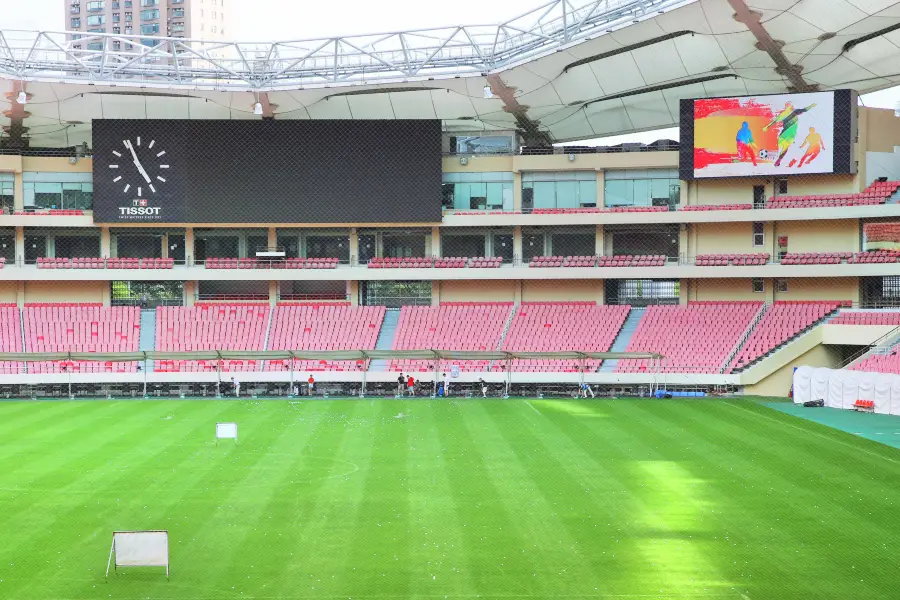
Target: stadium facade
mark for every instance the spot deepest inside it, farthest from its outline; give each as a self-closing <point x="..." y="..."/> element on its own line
<point x="266" y="197"/>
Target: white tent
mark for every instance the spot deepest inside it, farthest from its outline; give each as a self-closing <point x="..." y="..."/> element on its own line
<point x="840" y="388"/>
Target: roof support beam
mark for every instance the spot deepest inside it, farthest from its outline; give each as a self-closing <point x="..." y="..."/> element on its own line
<point x="530" y="130"/>
<point x="765" y="42"/>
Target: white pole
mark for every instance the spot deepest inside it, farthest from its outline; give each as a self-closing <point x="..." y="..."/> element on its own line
<point x="109" y="560"/>
<point x="366" y="363"/>
<point x="291" y="382"/>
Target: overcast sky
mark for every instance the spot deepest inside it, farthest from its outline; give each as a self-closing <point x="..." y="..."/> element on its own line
<point x="269" y="20"/>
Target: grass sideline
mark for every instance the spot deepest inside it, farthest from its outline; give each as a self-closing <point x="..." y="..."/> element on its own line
<point x="449" y="499"/>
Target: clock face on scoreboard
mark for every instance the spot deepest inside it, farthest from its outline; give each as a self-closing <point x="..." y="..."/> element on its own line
<point x="139" y="167"/>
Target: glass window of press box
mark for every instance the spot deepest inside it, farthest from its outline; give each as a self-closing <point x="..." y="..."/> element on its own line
<point x="478" y="191"/>
<point x="563" y="189"/>
<point x="7" y="191"/>
<point x="58" y="190"/>
<point x="642" y="187"/>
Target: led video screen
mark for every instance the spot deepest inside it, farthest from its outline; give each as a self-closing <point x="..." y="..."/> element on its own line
<point x="267" y="171"/>
<point x="784" y="134"/>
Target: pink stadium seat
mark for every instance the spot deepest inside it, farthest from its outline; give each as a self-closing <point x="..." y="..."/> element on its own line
<point x="65" y="327"/>
<point x="696" y="338"/>
<point x="324" y="327"/>
<point x="450" y="326"/>
<point x="877" y="193"/>
<point x="209" y="327"/>
<point x="736" y="260"/>
<point x="562" y="326"/>
<point x="867" y="317"/>
<point x="10" y="336"/>
<point x="780" y="323"/>
<point x="707" y="207"/>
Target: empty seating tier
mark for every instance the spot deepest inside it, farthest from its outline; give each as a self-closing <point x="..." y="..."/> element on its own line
<point x="562" y="326"/>
<point x="781" y="322"/>
<point x="324" y="327"/>
<point x="411" y="262"/>
<point x="10" y="336"/>
<point x="268" y="263"/>
<point x="706" y="207"/>
<point x="875" y="256"/>
<point x="735" y="260"/>
<point x="866" y="317"/>
<point x="697" y="338"/>
<point x="815" y="258"/>
<point x="650" y="260"/>
<point x="888" y="362"/>
<point x="211" y="327"/>
<point x="81" y="328"/>
<point x="453" y="326"/>
<point x="108" y="263"/>
<point x="877" y="193"/>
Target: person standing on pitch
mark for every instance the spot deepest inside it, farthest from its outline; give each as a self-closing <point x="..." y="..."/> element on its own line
<point x="484" y="387"/>
<point x="237" y="387"/>
<point x="401" y="383"/>
<point x="311" y="385"/>
<point x="585" y="390"/>
<point x="411" y="386"/>
<point x="446" y="385"/>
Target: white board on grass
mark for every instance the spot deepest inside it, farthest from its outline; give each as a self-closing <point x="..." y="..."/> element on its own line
<point x="139" y="549"/>
<point x="226" y="431"/>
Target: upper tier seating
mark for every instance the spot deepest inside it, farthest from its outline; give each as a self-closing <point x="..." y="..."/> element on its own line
<point x="10" y="336"/>
<point x="457" y="262"/>
<point x="563" y="261"/>
<point x="562" y="326"/>
<point x="815" y="258"/>
<point x="211" y="327"/>
<point x="650" y="260"/>
<point x="875" y="256"/>
<point x="705" y="207"/>
<point x="486" y="262"/>
<point x="451" y="326"/>
<point x="588" y="210"/>
<point x="866" y="317"/>
<point x="268" y="263"/>
<point x="737" y="260"/>
<point x="109" y="263"/>
<point x="877" y="193"/>
<point x="781" y="322"/>
<point x="324" y="327"/>
<point x="53" y="212"/>
<point x="81" y="328"/>
<point x="696" y="338"/>
<point x="411" y="262"/>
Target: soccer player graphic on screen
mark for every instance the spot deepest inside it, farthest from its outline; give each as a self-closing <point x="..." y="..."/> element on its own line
<point x="814" y="145"/>
<point x="746" y="147"/>
<point x="788" y="120"/>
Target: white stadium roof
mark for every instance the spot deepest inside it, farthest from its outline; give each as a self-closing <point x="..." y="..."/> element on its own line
<point x="568" y="70"/>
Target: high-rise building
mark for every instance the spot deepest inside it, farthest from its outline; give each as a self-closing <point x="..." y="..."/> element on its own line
<point x="194" y="19"/>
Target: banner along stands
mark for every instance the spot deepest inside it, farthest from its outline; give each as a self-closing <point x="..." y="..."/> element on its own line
<point x="226" y="431"/>
<point x="139" y="549"/>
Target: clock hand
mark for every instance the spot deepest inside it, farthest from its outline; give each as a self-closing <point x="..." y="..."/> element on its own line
<point x="137" y="163"/>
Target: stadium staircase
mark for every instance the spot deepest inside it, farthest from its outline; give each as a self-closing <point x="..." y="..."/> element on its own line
<point x="268" y="330"/>
<point x="499" y="347"/>
<point x="894" y="198"/>
<point x="386" y="337"/>
<point x="147" y="340"/>
<point x="740" y="343"/>
<point x="809" y="327"/>
<point x="25" y="366"/>
<point x="621" y="342"/>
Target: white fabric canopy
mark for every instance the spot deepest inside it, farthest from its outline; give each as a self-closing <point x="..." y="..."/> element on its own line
<point x="840" y="388"/>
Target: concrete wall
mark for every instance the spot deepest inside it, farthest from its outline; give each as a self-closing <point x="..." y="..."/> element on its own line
<point x="59" y="291"/>
<point x="779" y="382"/>
<point x="562" y="291"/>
<point x="726" y="290"/>
<point x="724" y="191"/>
<point x="832" y="288"/>
<point x="477" y="291"/>
<point x="732" y="238"/>
<point x="820" y="236"/>
<point x="8" y="291"/>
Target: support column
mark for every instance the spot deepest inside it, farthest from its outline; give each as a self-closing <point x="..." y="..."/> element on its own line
<point x="106" y="242"/>
<point x="601" y="189"/>
<point x="18" y="192"/>
<point x="517" y="190"/>
<point x="20" y="294"/>
<point x="189" y="247"/>
<point x="20" y="245"/>
<point x="164" y="245"/>
<point x="684" y="190"/>
<point x="353" y="292"/>
<point x="435" y="293"/>
<point x="190" y="289"/>
<point x="598" y="241"/>
<point x="272" y="240"/>
<point x="106" y="293"/>
<point x="273" y="293"/>
<point x="517" y="242"/>
<point x="684" y="241"/>
<point x="436" y="242"/>
<point x="353" y="246"/>
<point x="517" y="292"/>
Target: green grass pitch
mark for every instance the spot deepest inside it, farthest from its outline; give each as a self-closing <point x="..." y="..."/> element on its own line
<point x="385" y="499"/>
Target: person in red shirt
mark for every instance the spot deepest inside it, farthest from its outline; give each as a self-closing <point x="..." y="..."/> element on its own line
<point x="411" y="386"/>
<point x="312" y="384"/>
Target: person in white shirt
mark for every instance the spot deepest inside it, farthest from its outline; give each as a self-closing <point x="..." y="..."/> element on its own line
<point x="484" y="388"/>
<point x="237" y="387"/>
<point x="585" y="390"/>
<point x="446" y="385"/>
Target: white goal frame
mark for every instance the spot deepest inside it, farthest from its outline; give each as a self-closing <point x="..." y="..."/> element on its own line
<point x="145" y="557"/>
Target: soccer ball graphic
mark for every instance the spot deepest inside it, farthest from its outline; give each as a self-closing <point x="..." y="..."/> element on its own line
<point x="764" y="154"/>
